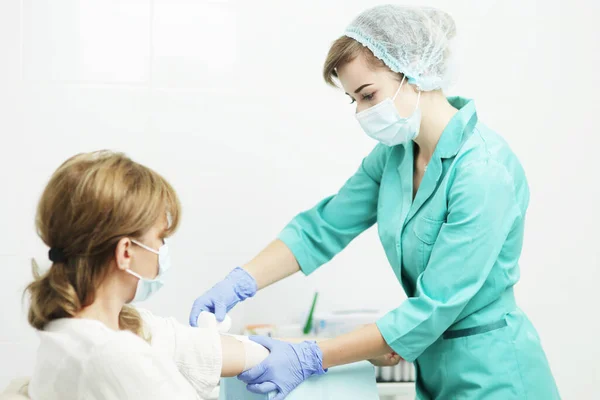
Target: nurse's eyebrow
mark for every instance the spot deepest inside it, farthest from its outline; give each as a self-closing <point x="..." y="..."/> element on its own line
<point x="360" y="88"/>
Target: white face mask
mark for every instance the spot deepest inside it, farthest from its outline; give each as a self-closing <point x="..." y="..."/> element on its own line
<point x="382" y="122"/>
<point x="147" y="287"/>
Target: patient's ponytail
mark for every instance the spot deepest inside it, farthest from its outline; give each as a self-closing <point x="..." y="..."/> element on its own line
<point x="52" y="296"/>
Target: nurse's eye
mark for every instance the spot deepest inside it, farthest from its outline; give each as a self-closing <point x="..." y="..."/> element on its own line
<point x="353" y="101"/>
<point x="368" y="97"/>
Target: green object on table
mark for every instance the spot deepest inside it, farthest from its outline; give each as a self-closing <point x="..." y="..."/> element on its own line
<point x="309" y="320"/>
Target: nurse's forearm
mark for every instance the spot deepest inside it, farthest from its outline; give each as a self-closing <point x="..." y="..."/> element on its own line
<point x="272" y="264"/>
<point x="363" y="344"/>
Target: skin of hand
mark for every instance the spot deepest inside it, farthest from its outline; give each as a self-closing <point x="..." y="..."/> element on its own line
<point x="386" y="360"/>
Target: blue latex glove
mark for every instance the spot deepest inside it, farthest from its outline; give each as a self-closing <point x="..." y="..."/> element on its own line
<point x="236" y="287"/>
<point x="286" y="367"/>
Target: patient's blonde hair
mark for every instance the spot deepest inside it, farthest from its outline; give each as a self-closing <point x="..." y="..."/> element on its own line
<point x="91" y="202"/>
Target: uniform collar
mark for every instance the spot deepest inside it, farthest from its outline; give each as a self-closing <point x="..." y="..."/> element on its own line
<point x="458" y="129"/>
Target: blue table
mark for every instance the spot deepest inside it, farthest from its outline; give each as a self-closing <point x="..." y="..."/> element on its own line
<point x="347" y="382"/>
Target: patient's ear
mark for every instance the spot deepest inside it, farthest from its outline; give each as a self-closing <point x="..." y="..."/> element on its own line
<point x="123" y="254"/>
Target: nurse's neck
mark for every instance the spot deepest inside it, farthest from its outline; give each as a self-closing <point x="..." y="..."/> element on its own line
<point x="436" y="113"/>
<point x="107" y="304"/>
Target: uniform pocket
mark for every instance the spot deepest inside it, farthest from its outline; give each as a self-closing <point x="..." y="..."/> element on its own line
<point x="483" y="365"/>
<point x="476" y="330"/>
<point x="427" y="230"/>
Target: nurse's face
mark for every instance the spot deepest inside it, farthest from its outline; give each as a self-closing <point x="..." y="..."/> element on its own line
<point x="368" y="85"/>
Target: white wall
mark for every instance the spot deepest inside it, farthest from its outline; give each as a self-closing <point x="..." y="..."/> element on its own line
<point x="226" y="100"/>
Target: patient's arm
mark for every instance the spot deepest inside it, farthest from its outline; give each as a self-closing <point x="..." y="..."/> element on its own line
<point x="234" y="357"/>
<point x="240" y="354"/>
<point x="202" y="354"/>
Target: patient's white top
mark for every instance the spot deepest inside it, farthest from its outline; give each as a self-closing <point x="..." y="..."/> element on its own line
<point x="84" y="359"/>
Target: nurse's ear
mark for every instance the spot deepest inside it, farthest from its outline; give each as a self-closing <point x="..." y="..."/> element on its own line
<point x="123" y="254"/>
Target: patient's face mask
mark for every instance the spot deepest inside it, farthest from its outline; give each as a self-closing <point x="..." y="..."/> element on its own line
<point x="382" y="122"/>
<point x="147" y="287"/>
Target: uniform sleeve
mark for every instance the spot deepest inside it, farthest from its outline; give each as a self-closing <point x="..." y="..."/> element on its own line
<point x="129" y="369"/>
<point x="317" y="235"/>
<point x="196" y="352"/>
<point x="482" y="210"/>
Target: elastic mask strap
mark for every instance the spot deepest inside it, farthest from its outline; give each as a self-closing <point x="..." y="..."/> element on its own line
<point x="143" y="246"/>
<point x="399" y="87"/>
<point x="134" y="274"/>
<point x="418" y="98"/>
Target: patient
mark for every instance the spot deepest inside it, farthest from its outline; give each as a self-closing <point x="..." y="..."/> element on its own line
<point x="106" y="220"/>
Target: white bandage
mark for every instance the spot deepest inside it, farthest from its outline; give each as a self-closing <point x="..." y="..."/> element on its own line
<point x="208" y="320"/>
<point x="255" y="353"/>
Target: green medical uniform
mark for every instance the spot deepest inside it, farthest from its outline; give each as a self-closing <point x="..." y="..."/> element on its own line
<point x="455" y="250"/>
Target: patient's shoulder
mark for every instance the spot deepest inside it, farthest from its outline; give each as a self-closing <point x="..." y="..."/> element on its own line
<point x="84" y="341"/>
<point x="123" y="348"/>
<point x="123" y="355"/>
<point x="126" y="366"/>
<point x="69" y="346"/>
<point x="158" y="329"/>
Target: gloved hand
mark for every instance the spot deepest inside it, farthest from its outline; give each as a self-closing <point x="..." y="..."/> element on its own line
<point x="236" y="287"/>
<point x="286" y="367"/>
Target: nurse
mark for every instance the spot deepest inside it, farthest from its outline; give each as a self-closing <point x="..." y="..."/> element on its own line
<point x="449" y="198"/>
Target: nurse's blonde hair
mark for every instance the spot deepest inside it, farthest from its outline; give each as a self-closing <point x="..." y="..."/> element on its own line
<point x="92" y="201"/>
<point x="343" y="51"/>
